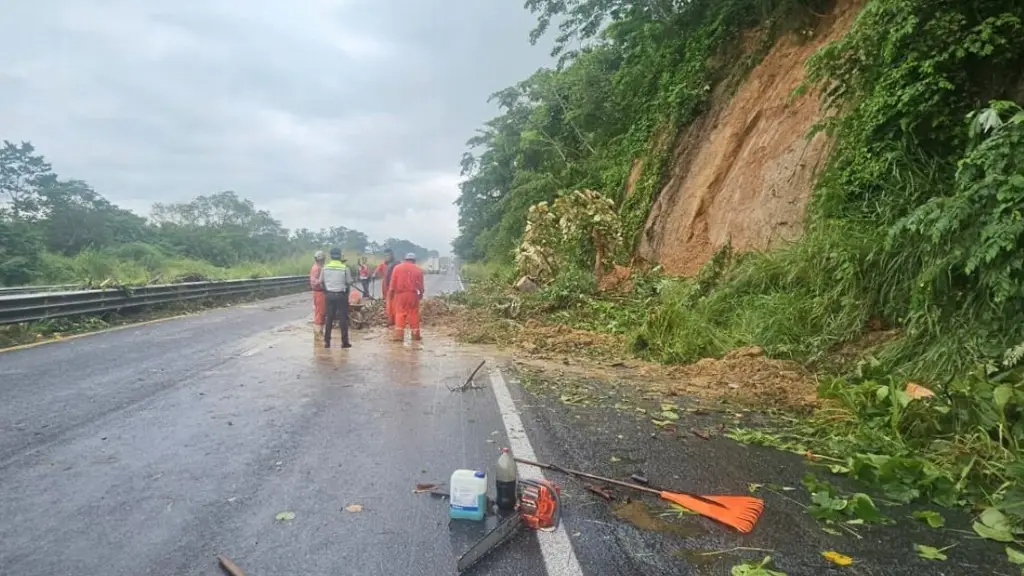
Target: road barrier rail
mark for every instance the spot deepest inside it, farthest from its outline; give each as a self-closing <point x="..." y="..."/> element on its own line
<point x="38" y="305"/>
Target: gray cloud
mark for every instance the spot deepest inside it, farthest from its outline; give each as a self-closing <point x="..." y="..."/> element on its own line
<point x="326" y="112"/>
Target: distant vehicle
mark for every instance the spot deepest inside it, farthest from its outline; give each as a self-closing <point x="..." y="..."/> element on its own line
<point x="432" y="265"/>
<point x="445" y="264"/>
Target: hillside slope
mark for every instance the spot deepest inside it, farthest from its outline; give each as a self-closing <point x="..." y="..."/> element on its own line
<point x="744" y="171"/>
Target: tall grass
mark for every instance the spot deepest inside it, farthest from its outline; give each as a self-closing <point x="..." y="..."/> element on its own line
<point x="138" y="264"/>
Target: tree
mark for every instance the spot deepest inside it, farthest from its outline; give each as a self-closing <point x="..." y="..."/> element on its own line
<point x="20" y="251"/>
<point x="75" y="218"/>
<point x="22" y="172"/>
<point x="402" y="247"/>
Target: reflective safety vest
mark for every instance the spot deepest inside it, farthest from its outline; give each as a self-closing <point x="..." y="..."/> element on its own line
<point x="336" y="276"/>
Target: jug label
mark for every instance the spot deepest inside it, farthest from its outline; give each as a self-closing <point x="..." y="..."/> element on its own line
<point x="464" y="498"/>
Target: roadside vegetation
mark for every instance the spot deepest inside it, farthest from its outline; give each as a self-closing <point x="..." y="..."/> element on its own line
<point x="61" y="231"/>
<point x="909" y="271"/>
<point x="56" y="231"/>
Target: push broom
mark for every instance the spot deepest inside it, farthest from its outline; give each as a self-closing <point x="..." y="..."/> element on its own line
<point x="739" y="512"/>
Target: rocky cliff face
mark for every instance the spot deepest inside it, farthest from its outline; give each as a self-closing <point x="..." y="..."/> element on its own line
<point x="745" y="170"/>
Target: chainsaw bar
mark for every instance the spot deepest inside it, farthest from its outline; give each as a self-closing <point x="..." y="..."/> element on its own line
<point x="488" y="543"/>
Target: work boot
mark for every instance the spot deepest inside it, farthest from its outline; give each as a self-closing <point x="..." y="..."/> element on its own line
<point x="346" y="345"/>
<point x="416" y="335"/>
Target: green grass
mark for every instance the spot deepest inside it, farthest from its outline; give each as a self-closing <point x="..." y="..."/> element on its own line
<point x="140" y="264"/>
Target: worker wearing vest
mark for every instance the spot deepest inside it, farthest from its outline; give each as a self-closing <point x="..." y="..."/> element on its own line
<point x="336" y="280"/>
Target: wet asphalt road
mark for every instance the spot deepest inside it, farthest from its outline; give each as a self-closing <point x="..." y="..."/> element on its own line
<point x="150" y="450"/>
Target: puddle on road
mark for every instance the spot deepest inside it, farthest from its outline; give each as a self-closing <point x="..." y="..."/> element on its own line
<point x="436" y="361"/>
<point x="639" y="514"/>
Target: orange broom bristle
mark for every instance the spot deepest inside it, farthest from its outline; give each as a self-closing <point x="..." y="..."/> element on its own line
<point x="739" y="512"/>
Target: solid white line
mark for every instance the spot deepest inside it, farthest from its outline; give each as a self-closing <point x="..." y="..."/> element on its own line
<point x="559" y="557"/>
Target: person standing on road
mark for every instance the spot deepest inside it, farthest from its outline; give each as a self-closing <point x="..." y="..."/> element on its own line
<point x="406" y="290"/>
<point x="319" y="304"/>
<point x="384" y="271"/>
<point x="364" y="276"/>
<point x="336" y="280"/>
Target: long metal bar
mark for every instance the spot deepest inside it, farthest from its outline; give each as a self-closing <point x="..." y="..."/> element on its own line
<point x="32" y="307"/>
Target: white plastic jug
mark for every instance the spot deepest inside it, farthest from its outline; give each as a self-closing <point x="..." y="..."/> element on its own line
<point x="468" y="495"/>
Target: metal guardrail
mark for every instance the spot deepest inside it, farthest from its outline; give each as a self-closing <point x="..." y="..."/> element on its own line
<point x="31" y="307"/>
<point x="8" y="290"/>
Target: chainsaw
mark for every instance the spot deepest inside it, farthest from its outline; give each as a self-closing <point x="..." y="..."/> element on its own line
<point x="538" y="507"/>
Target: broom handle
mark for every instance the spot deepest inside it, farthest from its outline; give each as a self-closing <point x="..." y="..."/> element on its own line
<point x="597" y="478"/>
<point x="557" y="468"/>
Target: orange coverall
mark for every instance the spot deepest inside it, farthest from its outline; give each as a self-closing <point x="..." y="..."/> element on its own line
<point x="406" y="290"/>
<point x="319" y="296"/>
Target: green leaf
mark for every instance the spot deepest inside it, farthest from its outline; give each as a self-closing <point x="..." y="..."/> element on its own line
<point x="881" y="393"/>
<point x="751" y="569"/>
<point x="1002" y="395"/>
<point x="987" y="532"/>
<point x="1015" y="556"/>
<point x="669" y="415"/>
<point x="285" y="516"/>
<point x="862" y="507"/>
<point x="933" y="518"/>
<point x="929" y="552"/>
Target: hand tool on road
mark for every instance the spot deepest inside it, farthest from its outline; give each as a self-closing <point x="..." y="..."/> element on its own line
<point x="538" y="508"/>
<point x="739" y="512"/>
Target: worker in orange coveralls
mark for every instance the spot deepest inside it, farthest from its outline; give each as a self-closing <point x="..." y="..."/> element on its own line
<point x="406" y="291"/>
<point x="384" y="272"/>
<point x="319" y="298"/>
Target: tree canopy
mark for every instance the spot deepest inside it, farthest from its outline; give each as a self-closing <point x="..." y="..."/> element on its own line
<point x="41" y="213"/>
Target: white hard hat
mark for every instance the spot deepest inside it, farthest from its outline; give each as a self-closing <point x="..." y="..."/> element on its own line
<point x="318" y="255"/>
<point x="410" y="256"/>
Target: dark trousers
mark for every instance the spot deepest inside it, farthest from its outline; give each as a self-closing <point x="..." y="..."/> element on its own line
<point x="337" y="309"/>
<point x="366" y="287"/>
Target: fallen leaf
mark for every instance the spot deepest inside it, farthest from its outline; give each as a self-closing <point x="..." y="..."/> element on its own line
<point x="993" y="525"/>
<point x="615" y="459"/>
<point x="916" y="391"/>
<point x="751" y="569"/>
<point x="701" y="434"/>
<point x="423" y="488"/>
<point x="837" y="558"/>
<point x="930" y="552"/>
<point x="669" y="415"/>
<point x="752" y="487"/>
<point x="353" y="508"/>
<point x="1015" y="556"/>
<point x="285" y="516"/>
<point x="933" y="518"/>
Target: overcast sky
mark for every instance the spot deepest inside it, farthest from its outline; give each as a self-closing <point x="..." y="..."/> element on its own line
<point x="325" y="112"/>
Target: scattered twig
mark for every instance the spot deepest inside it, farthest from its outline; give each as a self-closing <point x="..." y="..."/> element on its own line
<point x="230" y="567"/>
<point x="600" y="491"/>
<point x="468" y="385"/>
<point x="425" y="487"/>
<point x="701" y="434"/>
<point x="736" y="549"/>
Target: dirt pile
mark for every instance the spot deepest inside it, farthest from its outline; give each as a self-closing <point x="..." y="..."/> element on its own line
<point x="746" y="374"/>
<point x="432" y="312"/>
<point x="744" y="172"/>
<point x="618" y="279"/>
<point x="548" y="340"/>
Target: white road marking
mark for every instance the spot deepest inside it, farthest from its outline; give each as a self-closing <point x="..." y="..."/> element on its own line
<point x="559" y="557"/>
